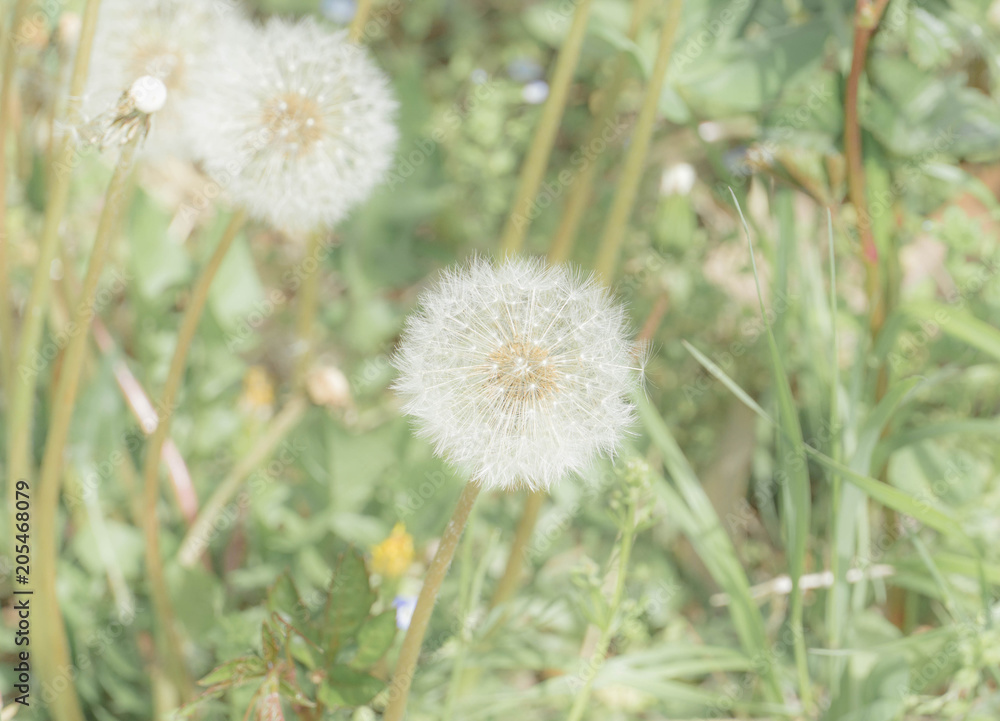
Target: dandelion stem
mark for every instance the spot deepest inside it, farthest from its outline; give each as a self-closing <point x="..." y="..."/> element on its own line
<point x="308" y="303"/>
<point x="537" y="160"/>
<point x="196" y="540"/>
<point x="24" y="373"/>
<point x="162" y="607"/>
<point x="357" y="30"/>
<point x="55" y="659"/>
<point x="581" y="191"/>
<point x="399" y="688"/>
<point x="6" y="84"/>
<point x="596" y="659"/>
<point x="628" y="184"/>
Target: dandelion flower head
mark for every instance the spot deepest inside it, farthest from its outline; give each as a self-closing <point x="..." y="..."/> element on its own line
<point x="519" y="372"/>
<point x="302" y="128"/>
<point x="174" y="41"/>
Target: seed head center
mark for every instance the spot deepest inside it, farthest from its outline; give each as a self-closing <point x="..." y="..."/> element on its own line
<point x="523" y="371"/>
<point x="294" y="119"/>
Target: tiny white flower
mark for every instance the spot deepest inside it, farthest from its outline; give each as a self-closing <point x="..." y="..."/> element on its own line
<point x="301" y="127"/>
<point x="174" y="41"/>
<point x="519" y="372"/>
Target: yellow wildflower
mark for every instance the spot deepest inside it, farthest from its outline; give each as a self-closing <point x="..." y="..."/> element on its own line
<point x="394" y="555"/>
<point x="258" y="392"/>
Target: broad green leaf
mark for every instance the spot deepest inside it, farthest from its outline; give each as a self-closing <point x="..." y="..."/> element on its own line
<point x="374" y="639"/>
<point x="349" y="601"/>
<point x="958" y="323"/>
<point x="346" y="687"/>
<point x="235" y="672"/>
<point x="236" y="298"/>
<point x="157" y="261"/>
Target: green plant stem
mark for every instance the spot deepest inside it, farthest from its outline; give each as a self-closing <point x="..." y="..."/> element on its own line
<point x="596" y="659"/>
<point x="23" y="374"/>
<point x="6" y="85"/>
<point x="515" y="559"/>
<point x="628" y="184"/>
<point x="402" y="678"/>
<point x="167" y="639"/>
<point x="465" y="585"/>
<point x="512" y="237"/>
<point x="54" y="659"/>
<point x="308" y="306"/>
<point x="198" y="536"/>
<point x="357" y="29"/>
<point x="579" y="195"/>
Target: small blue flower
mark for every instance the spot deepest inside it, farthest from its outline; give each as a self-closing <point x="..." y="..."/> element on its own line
<point x="404" y="606"/>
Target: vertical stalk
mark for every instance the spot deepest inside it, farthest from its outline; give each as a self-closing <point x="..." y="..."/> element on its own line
<point x="55" y="659"/>
<point x="308" y="305"/>
<point x="522" y="537"/>
<point x="537" y="159"/>
<point x="596" y="659"/>
<point x="6" y="84"/>
<point x="23" y="375"/>
<point x="628" y="184"/>
<point x="169" y="644"/>
<point x="402" y="678"/>
<point x="580" y="194"/>
<point x="356" y="32"/>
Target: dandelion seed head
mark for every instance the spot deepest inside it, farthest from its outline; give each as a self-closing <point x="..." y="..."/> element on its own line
<point x="308" y="120"/>
<point x="173" y="41"/>
<point x="519" y="372"/>
<point x="149" y="94"/>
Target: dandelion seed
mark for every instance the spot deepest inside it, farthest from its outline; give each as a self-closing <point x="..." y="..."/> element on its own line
<point x="518" y="372"/>
<point x="307" y="119"/>
<point x="173" y="41"/>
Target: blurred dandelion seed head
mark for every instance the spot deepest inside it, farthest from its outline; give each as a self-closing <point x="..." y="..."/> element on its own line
<point x="518" y="372"/>
<point x="301" y="127"/>
<point x="173" y="41"/>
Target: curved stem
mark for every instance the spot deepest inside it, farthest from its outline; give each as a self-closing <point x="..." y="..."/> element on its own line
<point x="25" y="372"/>
<point x="537" y="160"/>
<point x="55" y="660"/>
<point x="399" y="688"/>
<point x="162" y="607"/>
<point x="200" y="533"/>
<point x="628" y="184"/>
<point x="308" y="305"/>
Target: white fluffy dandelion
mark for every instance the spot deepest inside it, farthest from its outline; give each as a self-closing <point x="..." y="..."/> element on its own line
<point x="519" y="372"/>
<point x="174" y="41"/>
<point x="301" y="128"/>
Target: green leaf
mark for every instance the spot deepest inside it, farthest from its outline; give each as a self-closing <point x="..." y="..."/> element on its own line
<point x="157" y="261"/>
<point x="235" y="672"/>
<point x="284" y="598"/>
<point x="957" y="323"/>
<point x="270" y="643"/>
<point x="346" y="687"/>
<point x="236" y="297"/>
<point x="374" y="639"/>
<point x="349" y="601"/>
